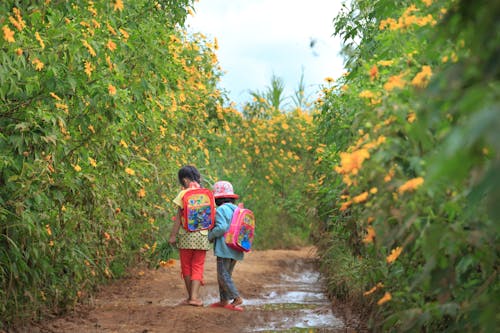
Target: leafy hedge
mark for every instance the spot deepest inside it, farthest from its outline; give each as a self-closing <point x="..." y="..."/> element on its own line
<point x="101" y="103"/>
<point x="411" y="166"/>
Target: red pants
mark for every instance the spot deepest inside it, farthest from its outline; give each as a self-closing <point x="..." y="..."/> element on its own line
<point x="192" y="263"/>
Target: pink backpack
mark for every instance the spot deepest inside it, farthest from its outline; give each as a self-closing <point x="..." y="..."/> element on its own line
<point x="240" y="234"/>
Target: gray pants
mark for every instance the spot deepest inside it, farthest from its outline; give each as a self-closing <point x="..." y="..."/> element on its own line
<point x="227" y="289"/>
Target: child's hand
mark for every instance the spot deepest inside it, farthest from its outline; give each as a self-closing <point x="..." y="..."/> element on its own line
<point x="172" y="240"/>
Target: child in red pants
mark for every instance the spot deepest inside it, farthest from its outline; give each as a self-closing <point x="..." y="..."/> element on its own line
<point x="193" y="246"/>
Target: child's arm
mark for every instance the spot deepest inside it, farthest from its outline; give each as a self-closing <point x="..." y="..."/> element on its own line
<point x="221" y="225"/>
<point x="175" y="227"/>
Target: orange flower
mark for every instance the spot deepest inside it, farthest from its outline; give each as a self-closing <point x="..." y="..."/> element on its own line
<point x="371" y="291"/>
<point x="394" y="82"/>
<point x="40" y="40"/>
<point x="111" y="45"/>
<point x="345" y="205"/>
<point x="168" y="263"/>
<point x="8" y="34"/>
<point x="130" y="171"/>
<point x="370" y="235"/>
<point x="141" y="193"/>
<point x="53" y="95"/>
<point x="49" y="231"/>
<point x="92" y="162"/>
<point x="111" y="90"/>
<point x="411" y="117"/>
<point x="88" y="68"/>
<point x="38" y="64"/>
<point x="118" y="5"/>
<point x="351" y="162"/>
<point x="360" y="198"/>
<point x="386" y="298"/>
<point x="366" y="94"/>
<point x="124" y="34"/>
<point x="373" y="72"/>
<point x="422" y="78"/>
<point x="411" y="185"/>
<point x="394" y="254"/>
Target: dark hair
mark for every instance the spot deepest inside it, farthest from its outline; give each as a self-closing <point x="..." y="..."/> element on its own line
<point x="189" y="172"/>
<point x="221" y="201"/>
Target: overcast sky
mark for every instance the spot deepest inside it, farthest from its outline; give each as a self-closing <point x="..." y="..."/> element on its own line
<point x="260" y="37"/>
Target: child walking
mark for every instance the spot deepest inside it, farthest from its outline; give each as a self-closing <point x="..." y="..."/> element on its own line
<point x="226" y="257"/>
<point x="193" y="246"/>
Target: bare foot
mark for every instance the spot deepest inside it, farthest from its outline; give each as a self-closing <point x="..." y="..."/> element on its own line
<point x="195" y="302"/>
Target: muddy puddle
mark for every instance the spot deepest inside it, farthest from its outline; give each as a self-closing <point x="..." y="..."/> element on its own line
<point x="296" y="304"/>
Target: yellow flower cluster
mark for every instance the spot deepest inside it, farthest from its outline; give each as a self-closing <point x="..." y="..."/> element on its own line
<point x="350" y="163"/>
<point x="407" y="20"/>
<point x="411" y="185"/>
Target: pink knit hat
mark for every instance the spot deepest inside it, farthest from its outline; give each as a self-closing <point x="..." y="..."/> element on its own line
<point x="224" y="189"/>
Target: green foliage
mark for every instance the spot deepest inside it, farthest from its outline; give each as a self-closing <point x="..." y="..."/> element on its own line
<point x="412" y="134"/>
<point x="101" y="103"/>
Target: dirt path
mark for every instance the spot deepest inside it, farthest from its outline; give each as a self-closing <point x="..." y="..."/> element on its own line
<point x="280" y="287"/>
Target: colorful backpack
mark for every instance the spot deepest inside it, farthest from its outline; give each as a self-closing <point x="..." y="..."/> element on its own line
<point x="240" y="234"/>
<point x="199" y="209"/>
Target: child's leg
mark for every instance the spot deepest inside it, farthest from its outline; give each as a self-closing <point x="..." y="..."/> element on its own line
<point x="227" y="289"/>
<point x="197" y="269"/>
<point x="185" y="256"/>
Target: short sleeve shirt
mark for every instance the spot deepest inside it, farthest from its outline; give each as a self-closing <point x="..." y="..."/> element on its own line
<point x="197" y="240"/>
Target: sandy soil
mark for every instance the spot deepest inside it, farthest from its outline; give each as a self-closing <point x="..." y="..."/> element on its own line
<point x="147" y="301"/>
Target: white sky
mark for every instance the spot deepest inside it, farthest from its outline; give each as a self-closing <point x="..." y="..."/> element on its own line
<point x="260" y="37"/>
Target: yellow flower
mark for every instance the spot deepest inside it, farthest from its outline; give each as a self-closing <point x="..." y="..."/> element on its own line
<point x="118" y="5"/>
<point x="141" y="193"/>
<point x="386" y="298"/>
<point x="91" y="128"/>
<point x="385" y="62"/>
<point x="411" y="117"/>
<point x="123" y="143"/>
<point x="371" y="291"/>
<point x="53" y="95"/>
<point x="329" y="79"/>
<point x="111" y="90"/>
<point x="373" y="190"/>
<point x="130" y="171"/>
<point x="370" y="235"/>
<point x="366" y="94"/>
<point x="49" y="231"/>
<point x="411" y="185"/>
<point x="89" y="48"/>
<point x="124" y="34"/>
<point x="77" y="168"/>
<point x="373" y="72"/>
<point x="422" y="78"/>
<point x="40" y="40"/>
<point x="92" y="162"/>
<point x="394" y="254"/>
<point x="351" y="162"/>
<point x="38" y="64"/>
<point x="394" y="82"/>
<point x="8" y="34"/>
<point x="345" y="205"/>
<point x="111" y="45"/>
<point x="360" y="198"/>
<point x="88" y="68"/>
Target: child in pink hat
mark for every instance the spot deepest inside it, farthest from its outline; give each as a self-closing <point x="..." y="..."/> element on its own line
<point x="226" y="257"/>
